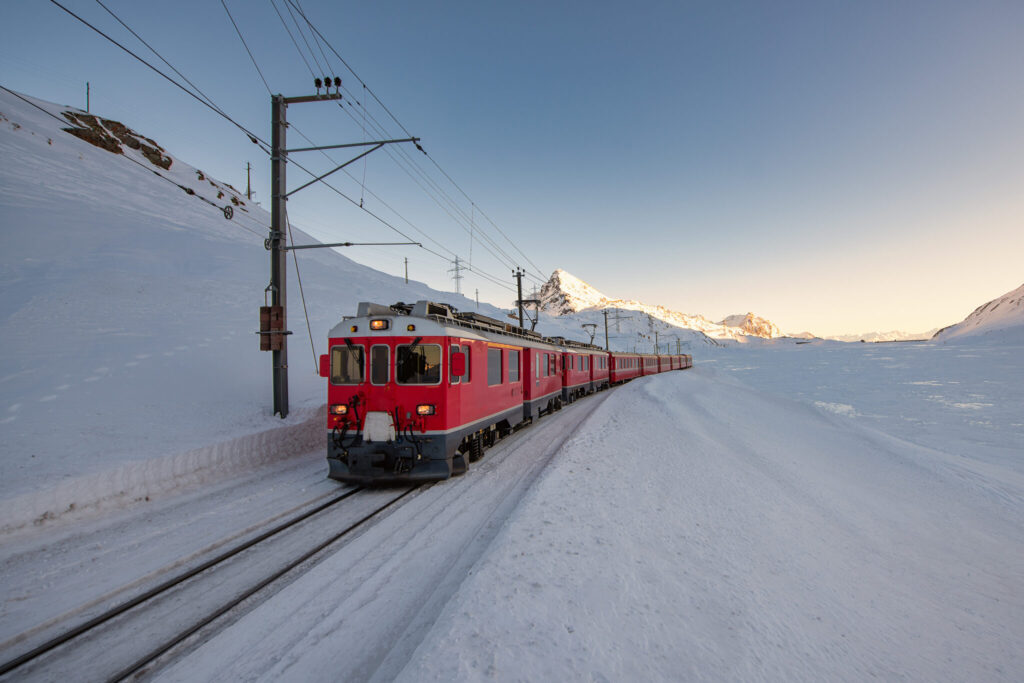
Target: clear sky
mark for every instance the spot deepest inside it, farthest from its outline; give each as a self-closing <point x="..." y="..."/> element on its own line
<point x="832" y="166"/>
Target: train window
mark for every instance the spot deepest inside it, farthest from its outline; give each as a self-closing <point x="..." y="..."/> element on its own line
<point x="347" y="365"/>
<point x="420" y="364"/>
<point x="513" y="366"/>
<point x="380" y="364"/>
<point x="453" y="378"/>
<point x="493" y="367"/>
<point x="536" y="365"/>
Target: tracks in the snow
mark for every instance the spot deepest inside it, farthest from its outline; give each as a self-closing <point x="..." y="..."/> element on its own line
<point x="107" y="646"/>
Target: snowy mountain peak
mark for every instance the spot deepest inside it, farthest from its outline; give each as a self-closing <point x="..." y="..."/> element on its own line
<point x="1004" y="315"/>
<point x="753" y="325"/>
<point x="566" y="294"/>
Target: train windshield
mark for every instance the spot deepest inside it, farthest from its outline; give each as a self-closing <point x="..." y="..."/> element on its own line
<point x="347" y="365"/>
<point x="420" y="364"/>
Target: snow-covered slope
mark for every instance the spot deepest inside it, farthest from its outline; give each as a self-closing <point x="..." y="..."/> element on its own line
<point x="565" y="294"/>
<point x="129" y="315"/>
<point x="998" y="320"/>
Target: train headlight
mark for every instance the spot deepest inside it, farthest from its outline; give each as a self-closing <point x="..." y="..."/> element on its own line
<point x="339" y="409"/>
<point x="411" y="328"/>
<point x="380" y="324"/>
<point x="425" y="409"/>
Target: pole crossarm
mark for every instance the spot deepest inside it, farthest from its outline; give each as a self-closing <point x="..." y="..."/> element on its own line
<point x="352" y="244"/>
<point x="336" y="169"/>
<point x="351" y="144"/>
<point x="311" y="98"/>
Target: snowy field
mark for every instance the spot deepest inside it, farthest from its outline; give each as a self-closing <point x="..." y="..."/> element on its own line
<point x="777" y="513"/>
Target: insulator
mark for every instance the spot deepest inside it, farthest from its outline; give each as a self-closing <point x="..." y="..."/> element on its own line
<point x="337" y="82"/>
<point x="318" y="83"/>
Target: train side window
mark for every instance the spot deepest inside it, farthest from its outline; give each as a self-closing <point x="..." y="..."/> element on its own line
<point x="513" y="366"/>
<point x="420" y="364"/>
<point x="380" y="364"/>
<point x="453" y="378"/>
<point x="536" y="365"/>
<point x="347" y="365"/>
<point x="493" y="367"/>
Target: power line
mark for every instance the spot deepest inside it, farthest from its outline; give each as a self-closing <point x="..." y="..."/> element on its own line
<point x="294" y="42"/>
<point x="225" y="5"/>
<point x="317" y="32"/>
<point x="138" y="163"/>
<point x="252" y="136"/>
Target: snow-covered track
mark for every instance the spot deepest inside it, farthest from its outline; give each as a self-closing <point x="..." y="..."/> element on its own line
<point x="107" y="645"/>
<point x="362" y="612"/>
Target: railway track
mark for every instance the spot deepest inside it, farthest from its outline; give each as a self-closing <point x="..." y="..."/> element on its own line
<point x="107" y="646"/>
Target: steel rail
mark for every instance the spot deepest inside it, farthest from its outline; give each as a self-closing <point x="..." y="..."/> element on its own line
<point x="224" y="609"/>
<point x="87" y="626"/>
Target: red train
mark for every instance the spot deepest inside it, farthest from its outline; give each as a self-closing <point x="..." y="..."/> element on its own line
<point x="417" y="392"/>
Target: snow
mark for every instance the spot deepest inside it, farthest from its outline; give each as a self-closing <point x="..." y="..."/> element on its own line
<point x="782" y="511"/>
<point x="564" y="294"/>
<point x="746" y="537"/>
<point x="998" y="321"/>
<point x="129" y="318"/>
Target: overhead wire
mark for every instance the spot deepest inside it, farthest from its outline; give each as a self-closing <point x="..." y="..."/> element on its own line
<point x="317" y="32"/>
<point x="135" y="161"/>
<point x="252" y="136"/>
<point x="246" y="45"/>
<point x="294" y="42"/>
<point x="207" y="102"/>
<point x="456" y="212"/>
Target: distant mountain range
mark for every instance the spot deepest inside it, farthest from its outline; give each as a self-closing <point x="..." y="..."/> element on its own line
<point x="566" y="294"/>
<point x="893" y="335"/>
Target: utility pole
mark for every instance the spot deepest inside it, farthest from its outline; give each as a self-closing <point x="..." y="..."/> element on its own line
<point x="278" y="343"/>
<point x="274" y="317"/>
<point x="617" y="317"/>
<point x="458" y="275"/>
<point x="248" y="181"/>
<point x="478" y="299"/>
<point x="406" y="270"/>
<point x="87" y="97"/>
<point x="605" y="311"/>
<point x="518" y="274"/>
<point x="657" y="347"/>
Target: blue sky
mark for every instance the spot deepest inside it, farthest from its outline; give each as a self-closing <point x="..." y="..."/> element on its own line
<point x="835" y="167"/>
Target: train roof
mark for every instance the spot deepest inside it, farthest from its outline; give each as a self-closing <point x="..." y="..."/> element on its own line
<point x="448" y="320"/>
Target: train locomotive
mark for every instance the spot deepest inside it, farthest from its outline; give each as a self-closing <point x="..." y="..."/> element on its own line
<point x="416" y="392"/>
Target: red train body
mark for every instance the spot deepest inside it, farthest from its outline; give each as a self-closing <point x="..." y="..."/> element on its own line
<point x="417" y="392"/>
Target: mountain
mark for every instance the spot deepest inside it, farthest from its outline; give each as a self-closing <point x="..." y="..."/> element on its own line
<point x="753" y="325"/>
<point x="999" y="320"/>
<point x="565" y="294"/>
<point x="893" y="335"/>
